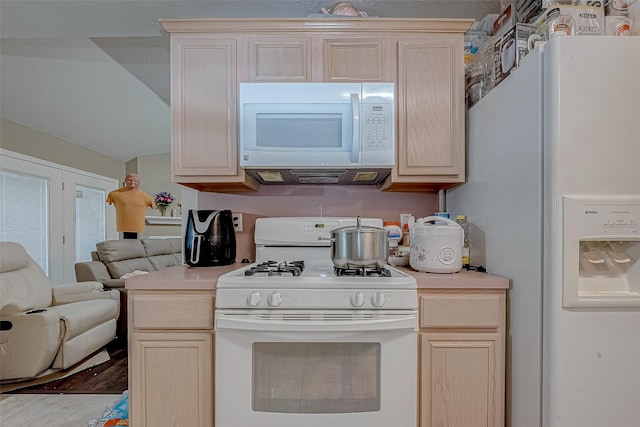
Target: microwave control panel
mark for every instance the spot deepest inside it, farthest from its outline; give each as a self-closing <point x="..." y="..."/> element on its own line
<point x="377" y="126"/>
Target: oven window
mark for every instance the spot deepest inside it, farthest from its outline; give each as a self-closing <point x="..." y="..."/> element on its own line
<point x="316" y="377"/>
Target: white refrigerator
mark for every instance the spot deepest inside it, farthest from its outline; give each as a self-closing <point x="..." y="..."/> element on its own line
<point x="553" y="201"/>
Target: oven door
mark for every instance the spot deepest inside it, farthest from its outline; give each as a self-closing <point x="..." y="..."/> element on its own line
<point x="316" y="368"/>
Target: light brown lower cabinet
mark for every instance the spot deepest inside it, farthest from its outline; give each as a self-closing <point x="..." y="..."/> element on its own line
<point x="461" y="358"/>
<point x="171" y="358"/>
<point x="462" y="362"/>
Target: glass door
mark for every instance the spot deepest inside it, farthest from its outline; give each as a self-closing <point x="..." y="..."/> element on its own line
<point x="90" y="222"/>
<point x="57" y="214"/>
<point x="30" y="202"/>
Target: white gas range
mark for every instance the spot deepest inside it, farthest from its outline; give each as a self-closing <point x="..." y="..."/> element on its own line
<point x="299" y="342"/>
<point x="293" y="270"/>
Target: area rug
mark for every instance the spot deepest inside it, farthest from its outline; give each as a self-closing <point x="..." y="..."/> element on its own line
<point x="115" y="414"/>
<point x="98" y="358"/>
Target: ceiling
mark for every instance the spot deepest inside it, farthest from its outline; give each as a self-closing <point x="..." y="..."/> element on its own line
<point x="96" y="72"/>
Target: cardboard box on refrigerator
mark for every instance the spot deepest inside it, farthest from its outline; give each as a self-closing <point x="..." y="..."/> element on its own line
<point x="509" y="50"/>
<point x="504" y="21"/>
<point x="528" y="10"/>
<point x="589" y="19"/>
<point x="524" y="10"/>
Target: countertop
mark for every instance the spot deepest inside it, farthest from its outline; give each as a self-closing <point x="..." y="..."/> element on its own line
<point x="205" y="278"/>
<point x="463" y="279"/>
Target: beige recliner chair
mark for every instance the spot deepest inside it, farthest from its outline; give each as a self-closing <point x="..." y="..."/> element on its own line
<point x="44" y="327"/>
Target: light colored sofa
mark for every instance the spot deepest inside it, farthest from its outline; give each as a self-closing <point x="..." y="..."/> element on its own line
<point x="44" y="327"/>
<point x="116" y="258"/>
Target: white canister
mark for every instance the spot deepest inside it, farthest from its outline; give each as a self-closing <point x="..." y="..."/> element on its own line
<point x="395" y="233"/>
<point x="617" y="26"/>
<point x="618" y="7"/>
<point x="436" y="245"/>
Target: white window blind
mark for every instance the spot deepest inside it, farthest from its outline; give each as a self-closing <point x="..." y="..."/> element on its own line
<point x="24" y="214"/>
<point x="90" y="220"/>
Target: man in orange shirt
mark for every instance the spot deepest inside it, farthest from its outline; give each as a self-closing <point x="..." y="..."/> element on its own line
<point x="130" y="203"/>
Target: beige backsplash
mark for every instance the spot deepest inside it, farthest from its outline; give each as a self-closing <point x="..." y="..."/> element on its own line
<point x="276" y="201"/>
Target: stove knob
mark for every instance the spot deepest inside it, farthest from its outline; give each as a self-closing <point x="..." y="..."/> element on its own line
<point x="254" y="299"/>
<point x="378" y="299"/>
<point x="357" y="299"/>
<point x="275" y="299"/>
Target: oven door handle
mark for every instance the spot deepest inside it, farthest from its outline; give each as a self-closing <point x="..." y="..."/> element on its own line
<point x="247" y="322"/>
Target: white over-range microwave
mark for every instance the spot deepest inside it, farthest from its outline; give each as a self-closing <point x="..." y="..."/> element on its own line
<point x="317" y="133"/>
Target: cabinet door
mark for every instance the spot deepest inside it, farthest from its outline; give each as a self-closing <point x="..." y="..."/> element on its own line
<point x="430" y="109"/>
<point x="460" y="380"/>
<point x="204" y="143"/>
<point x="171" y="379"/>
<point x="358" y="59"/>
<point x="280" y="59"/>
<point x="203" y="105"/>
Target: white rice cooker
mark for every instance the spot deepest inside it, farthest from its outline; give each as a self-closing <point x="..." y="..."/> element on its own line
<point x="436" y="245"/>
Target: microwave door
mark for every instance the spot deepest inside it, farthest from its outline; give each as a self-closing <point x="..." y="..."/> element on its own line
<point x="316" y="126"/>
<point x="355" y="143"/>
<point x="300" y="135"/>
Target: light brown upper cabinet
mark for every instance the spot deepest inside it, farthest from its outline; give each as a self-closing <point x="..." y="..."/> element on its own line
<point x="424" y="57"/>
<point x="204" y="141"/>
<point x="364" y="58"/>
<point x="279" y="59"/>
<point x="430" y="113"/>
<point x="303" y="57"/>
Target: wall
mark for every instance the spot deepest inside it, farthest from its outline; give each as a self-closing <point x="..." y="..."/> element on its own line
<point x="314" y="200"/>
<point x="155" y="176"/>
<point x="23" y="140"/>
<point x="154" y="170"/>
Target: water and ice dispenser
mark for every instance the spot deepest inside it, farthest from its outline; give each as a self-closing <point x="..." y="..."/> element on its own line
<point x="601" y="252"/>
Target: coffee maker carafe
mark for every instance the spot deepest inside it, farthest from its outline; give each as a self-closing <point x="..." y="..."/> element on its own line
<point x="210" y="238"/>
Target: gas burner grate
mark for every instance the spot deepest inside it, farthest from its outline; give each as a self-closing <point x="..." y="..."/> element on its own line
<point x="362" y="272"/>
<point x="271" y="268"/>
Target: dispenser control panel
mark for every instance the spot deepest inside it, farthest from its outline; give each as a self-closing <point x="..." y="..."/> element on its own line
<point x="608" y="218"/>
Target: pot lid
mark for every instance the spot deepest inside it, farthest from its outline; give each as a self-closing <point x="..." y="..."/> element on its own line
<point x="359" y="227"/>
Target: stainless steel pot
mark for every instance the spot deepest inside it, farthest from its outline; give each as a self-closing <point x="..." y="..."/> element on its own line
<point x="359" y="246"/>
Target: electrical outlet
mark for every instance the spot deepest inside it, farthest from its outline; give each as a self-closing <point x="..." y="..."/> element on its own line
<point x="237" y="221"/>
<point x="404" y="219"/>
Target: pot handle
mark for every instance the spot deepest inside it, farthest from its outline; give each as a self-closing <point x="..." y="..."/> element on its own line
<point x="434" y="219"/>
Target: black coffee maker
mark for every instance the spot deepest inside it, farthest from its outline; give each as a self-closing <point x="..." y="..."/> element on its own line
<point x="210" y="238"/>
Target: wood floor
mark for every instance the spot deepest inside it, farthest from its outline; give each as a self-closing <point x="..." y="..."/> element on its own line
<point x="107" y="378"/>
<point x="71" y="401"/>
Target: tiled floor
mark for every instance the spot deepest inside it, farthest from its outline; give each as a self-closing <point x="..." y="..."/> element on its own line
<point x="52" y="410"/>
